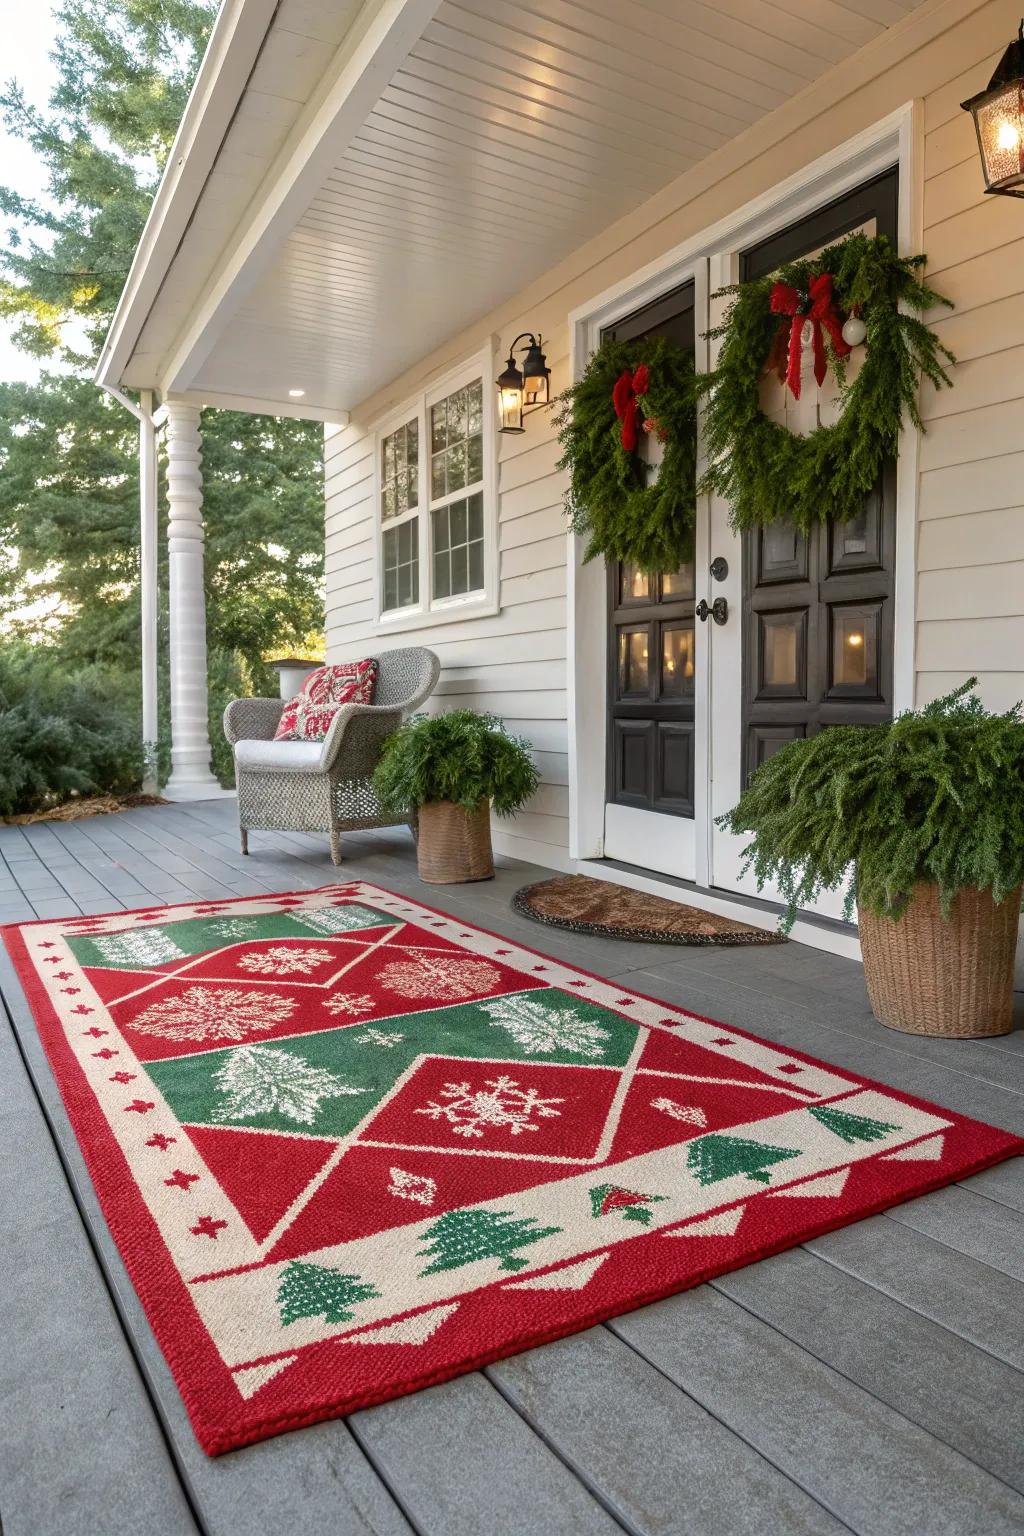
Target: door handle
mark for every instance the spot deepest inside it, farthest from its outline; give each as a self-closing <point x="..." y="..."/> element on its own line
<point x="718" y="610"/>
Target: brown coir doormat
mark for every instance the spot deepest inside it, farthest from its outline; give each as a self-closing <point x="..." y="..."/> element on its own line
<point x="596" y="906"/>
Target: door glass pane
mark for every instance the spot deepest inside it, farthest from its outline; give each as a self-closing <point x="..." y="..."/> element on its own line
<point x="634" y="670"/>
<point x="852" y="537"/>
<point x="855" y="647"/>
<point x="679" y="583"/>
<point x="781" y="642"/>
<point x="634" y="584"/>
<point x="677" y="660"/>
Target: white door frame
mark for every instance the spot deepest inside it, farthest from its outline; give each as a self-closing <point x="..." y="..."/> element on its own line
<point x="895" y="140"/>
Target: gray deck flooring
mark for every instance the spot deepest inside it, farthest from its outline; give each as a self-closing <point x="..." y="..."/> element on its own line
<point x="870" y="1381"/>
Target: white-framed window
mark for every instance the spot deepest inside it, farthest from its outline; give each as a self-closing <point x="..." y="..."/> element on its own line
<point x="436" y="502"/>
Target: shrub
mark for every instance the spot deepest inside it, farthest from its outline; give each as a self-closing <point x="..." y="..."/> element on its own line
<point x="63" y="731"/>
<point x="460" y="756"/>
<point x="936" y="795"/>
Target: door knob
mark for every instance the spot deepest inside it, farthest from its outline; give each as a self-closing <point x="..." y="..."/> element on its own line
<point x="718" y="610"/>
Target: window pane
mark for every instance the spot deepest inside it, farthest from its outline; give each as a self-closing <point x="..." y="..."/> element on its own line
<point x="677" y="660"/>
<point x="855" y="647"/>
<point x="456" y="416"/>
<point x="475" y="407"/>
<point x="474" y="460"/>
<point x="633" y="661"/>
<point x="399" y="461"/>
<point x="438" y="440"/>
<point x="457" y="467"/>
<point x="457" y="533"/>
<point x="400" y="559"/>
<point x="437" y="479"/>
<point x="678" y="583"/>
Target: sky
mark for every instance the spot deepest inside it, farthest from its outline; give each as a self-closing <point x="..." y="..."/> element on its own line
<point x="26" y="28"/>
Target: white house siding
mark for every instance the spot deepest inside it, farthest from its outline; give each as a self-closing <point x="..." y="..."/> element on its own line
<point x="970" y="583"/>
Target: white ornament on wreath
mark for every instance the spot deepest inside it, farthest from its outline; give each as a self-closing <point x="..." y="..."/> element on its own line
<point x="854" y="331"/>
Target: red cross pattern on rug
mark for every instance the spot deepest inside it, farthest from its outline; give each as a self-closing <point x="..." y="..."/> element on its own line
<point x="354" y="1146"/>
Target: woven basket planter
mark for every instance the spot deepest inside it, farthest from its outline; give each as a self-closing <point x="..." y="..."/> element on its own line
<point x="454" y="846"/>
<point x="928" y="975"/>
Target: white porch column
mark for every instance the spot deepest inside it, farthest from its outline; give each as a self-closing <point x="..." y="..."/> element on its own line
<point x="190" y="778"/>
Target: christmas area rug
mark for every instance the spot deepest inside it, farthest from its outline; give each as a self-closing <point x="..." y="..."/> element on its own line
<point x="349" y="1146"/>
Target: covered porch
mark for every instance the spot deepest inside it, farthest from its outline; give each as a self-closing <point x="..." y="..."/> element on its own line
<point x="870" y="1381"/>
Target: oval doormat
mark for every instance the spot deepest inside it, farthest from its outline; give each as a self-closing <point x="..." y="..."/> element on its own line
<point x="584" y="905"/>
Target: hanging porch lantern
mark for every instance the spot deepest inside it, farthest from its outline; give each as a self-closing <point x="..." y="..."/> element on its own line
<point x="998" y="113"/>
<point x="521" y="390"/>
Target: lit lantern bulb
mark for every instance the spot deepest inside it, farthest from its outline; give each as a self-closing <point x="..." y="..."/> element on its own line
<point x="856" y="639"/>
<point x="1007" y="135"/>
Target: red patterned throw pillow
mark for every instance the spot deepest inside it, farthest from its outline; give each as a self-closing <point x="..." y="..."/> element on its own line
<point x="308" y="716"/>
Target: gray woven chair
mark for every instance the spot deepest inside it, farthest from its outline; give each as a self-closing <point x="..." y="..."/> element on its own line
<point x="314" y="786"/>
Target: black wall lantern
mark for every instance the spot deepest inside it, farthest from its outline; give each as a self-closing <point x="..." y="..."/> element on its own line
<point x="521" y="390"/>
<point x="998" y="113"/>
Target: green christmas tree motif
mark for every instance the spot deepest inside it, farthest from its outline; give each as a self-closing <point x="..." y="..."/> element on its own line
<point x="630" y="1203"/>
<point x="461" y="1237"/>
<point x="310" y="1290"/>
<point x="712" y="1158"/>
<point x="850" y="1127"/>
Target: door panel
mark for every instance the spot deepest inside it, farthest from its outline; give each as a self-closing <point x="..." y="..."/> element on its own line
<point x="651" y="670"/>
<point x="814" y="643"/>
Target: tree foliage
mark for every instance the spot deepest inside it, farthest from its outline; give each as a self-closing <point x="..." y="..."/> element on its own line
<point x="936" y="795"/>
<point x="69" y="534"/>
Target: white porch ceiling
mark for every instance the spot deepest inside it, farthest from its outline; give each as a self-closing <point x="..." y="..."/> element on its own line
<point x="508" y="135"/>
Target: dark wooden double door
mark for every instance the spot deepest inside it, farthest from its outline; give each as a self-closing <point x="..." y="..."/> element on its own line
<point x="650" y="758"/>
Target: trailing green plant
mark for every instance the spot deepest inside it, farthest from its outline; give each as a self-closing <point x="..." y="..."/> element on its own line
<point x="460" y="756"/>
<point x="765" y="471"/>
<point x="936" y="795"/>
<point x="612" y="501"/>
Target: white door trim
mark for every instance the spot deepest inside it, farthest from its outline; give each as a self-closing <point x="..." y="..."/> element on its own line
<point x="895" y="140"/>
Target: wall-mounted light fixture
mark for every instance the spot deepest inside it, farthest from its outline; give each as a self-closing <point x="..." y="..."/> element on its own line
<point x="998" y="113"/>
<point x="522" y="390"/>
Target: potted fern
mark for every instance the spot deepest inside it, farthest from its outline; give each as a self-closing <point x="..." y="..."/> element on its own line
<point x="454" y="769"/>
<point x="923" y="820"/>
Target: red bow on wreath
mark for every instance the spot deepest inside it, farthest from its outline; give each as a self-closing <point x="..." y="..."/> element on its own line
<point x="625" y="397"/>
<point x="820" y="311"/>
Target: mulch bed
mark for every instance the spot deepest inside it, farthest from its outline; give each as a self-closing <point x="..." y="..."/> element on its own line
<point x="84" y="805"/>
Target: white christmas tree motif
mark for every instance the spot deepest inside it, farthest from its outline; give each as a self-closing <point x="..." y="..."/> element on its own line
<point x="338" y="919"/>
<point x="382" y="1037"/>
<point x="140" y="947"/>
<point x="540" y="1029"/>
<point x="412" y="1186"/>
<point x="259" y="1080"/>
<point x="688" y="1112"/>
<point x="214" y="1013"/>
<point x="427" y="973"/>
<point x="500" y="1104"/>
<point x="348" y="1003"/>
<point x="280" y="960"/>
<point x="235" y="927"/>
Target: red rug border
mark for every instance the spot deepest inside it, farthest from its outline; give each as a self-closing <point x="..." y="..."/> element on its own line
<point x="128" y="1218"/>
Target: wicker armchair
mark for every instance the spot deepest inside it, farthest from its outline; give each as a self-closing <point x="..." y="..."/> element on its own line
<point x="313" y="786"/>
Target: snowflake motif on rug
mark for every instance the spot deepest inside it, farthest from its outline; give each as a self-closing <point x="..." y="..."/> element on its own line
<point x="235" y="928"/>
<point x="412" y="1186"/>
<point x="381" y="1037"/>
<point x="690" y="1113"/>
<point x="540" y="1030"/>
<point x="502" y="1104"/>
<point x="214" y="1013"/>
<point x="281" y="960"/>
<point x="441" y="977"/>
<point x="259" y="1080"/>
<point x="348" y="1003"/>
<point x="140" y="947"/>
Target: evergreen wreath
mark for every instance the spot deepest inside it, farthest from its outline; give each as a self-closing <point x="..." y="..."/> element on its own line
<point x="630" y="387"/>
<point x="768" y="473"/>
